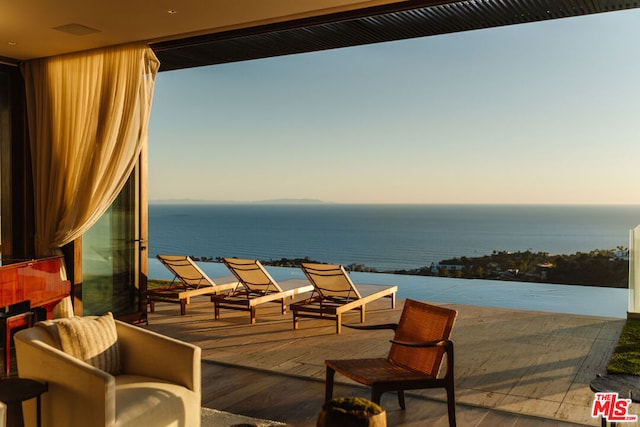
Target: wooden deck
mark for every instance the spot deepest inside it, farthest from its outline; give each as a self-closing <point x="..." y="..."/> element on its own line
<point x="297" y="401"/>
<point x="513" y="368"/>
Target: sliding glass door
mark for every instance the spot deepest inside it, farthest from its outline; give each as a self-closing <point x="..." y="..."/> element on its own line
<point x="113" y="251"/>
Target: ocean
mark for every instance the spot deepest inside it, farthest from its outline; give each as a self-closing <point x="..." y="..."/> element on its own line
<point x="385" y="237"/>
<point x="392" y="237"/>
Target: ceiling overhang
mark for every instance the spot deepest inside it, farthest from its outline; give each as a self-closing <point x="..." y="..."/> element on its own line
<point x="397" y="21"/>
<point x="31" y="29"/>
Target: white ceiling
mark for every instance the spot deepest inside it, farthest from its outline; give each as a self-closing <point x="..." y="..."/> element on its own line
<point x="28" y="27"/>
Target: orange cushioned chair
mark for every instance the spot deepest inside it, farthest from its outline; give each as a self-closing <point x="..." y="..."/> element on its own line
<point x="414" y="361"/>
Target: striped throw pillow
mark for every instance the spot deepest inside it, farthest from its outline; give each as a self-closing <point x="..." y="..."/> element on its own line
<point x="93" y="340"/>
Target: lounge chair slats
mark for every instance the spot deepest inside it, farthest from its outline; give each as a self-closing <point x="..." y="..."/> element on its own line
<point x="256" y="287"/>
<point x="334" y="294"/>
<point x="189" y="281"/>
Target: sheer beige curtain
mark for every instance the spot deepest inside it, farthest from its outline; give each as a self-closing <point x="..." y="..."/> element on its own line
<point x="88" y="119"/>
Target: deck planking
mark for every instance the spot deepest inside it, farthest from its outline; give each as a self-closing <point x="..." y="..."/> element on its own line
<point x="519" y="367"/>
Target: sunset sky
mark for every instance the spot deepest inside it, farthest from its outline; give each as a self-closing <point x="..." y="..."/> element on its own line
<point x="545" y="112"/>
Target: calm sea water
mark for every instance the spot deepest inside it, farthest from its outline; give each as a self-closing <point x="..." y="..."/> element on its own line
<point x="390" y="237"/>
<point x="386" y="237"/>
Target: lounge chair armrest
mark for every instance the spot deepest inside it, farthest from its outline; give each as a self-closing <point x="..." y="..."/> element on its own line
<point x="393" y="326"/>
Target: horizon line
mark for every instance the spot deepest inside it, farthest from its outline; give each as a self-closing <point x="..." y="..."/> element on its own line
<point x="323" y="202"/>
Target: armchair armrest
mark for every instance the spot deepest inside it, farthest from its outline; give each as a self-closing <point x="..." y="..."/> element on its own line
<point x="425" y="344"/>
<point x="80" y="393"/>
<point x="392" y="326"/>
<point x="448" y="348"/>
<point x="143" y="352"/>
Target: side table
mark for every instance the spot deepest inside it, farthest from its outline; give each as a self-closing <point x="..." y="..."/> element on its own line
<point x="14" y="391"/>
<point x="627" y="387"/>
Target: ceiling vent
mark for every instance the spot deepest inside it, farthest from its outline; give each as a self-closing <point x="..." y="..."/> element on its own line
<point x="76" y="29"/>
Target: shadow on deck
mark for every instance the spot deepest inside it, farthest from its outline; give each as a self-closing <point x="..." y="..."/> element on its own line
<point x="513" y="368"/>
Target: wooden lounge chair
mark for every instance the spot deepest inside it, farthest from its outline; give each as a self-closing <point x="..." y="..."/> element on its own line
<point x="415" y="358"/>
<point x="256" y="286"/>
<point x="334" y="294"/>
<point x="188" y="281"/>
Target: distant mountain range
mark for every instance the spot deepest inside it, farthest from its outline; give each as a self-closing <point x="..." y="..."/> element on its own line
<point x="229" y="202"/>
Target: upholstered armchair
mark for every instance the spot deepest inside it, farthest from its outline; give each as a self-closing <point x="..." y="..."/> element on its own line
<point x="135" y="377"/>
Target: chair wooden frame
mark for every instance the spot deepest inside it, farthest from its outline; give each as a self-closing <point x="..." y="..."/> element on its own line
<point x="335" y="294"/>
<point x="188" y="281"/>
<point x="410" y="365"/>
<point x="255" y="287"/>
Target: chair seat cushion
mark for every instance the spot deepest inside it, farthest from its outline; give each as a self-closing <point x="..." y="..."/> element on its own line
<point x="144" y="401"/>
<point x="373" y="371"/>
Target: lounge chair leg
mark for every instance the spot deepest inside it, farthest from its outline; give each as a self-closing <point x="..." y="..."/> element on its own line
<point x="401" y="401"/>
<point x="216" y="311"/>
<point x="152" y="306"/>
<point x="295" y="320"/>
<point x="183" y="307"/>
<point x="338" y="323"/>
<point x="328" y="384"/>
<point x="284" y="306"/>
<point x="252" y="314"/>
<point x="362" y="314"/>
<point x="393" y="300"/>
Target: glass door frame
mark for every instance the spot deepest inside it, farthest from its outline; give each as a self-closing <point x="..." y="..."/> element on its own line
<point x="140" y="239"/>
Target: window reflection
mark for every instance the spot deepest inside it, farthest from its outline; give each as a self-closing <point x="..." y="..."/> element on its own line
<point x="109" y="258"/>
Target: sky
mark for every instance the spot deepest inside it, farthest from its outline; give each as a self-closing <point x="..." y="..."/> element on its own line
<point x="540" y="113"/>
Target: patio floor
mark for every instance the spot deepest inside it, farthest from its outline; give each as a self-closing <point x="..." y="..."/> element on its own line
<point x="513" y="368"/>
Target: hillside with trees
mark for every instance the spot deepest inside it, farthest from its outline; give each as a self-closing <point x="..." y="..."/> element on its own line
<point x="605" y="268"/>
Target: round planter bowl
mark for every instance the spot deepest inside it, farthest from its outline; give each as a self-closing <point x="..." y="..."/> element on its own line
<point x="333" y="418"/>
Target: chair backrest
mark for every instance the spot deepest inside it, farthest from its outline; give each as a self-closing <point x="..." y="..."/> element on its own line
<point x="421" y="322"/>
<point x="330" y="281"/>
<point x="252" y="275"/>
<point x="185" y="270"/>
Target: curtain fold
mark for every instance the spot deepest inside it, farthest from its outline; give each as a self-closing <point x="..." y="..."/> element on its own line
<point x="88" y="119"/>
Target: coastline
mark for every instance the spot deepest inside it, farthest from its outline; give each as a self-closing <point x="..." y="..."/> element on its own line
<point x="602" y="268"/>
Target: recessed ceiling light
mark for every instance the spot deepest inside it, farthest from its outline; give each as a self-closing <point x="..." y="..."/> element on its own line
<point x="172" y="11"/>
<point x="12" y="43"/>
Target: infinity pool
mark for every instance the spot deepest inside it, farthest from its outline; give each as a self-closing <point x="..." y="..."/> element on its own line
<point x="588" y="300"/>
